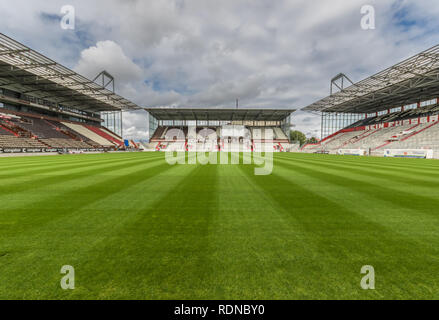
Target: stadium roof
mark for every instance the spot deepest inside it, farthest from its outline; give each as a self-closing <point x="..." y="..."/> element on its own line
<point x="219" y="114"/>
<point x="29" y="72"/>
<point x="413" y="80"/>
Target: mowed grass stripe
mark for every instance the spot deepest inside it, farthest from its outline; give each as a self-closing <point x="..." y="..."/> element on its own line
<point x="347" y="241"/>
<point x="409" y="163"/>
<point x="26" y="211"/>
<point x="23" y="190"/>
<point x="418" y="165"/>
<point x="81" y="160"/>
<point x="162" y="252"/>
<point x="52" y="177"/>
<point x="90" y="225"/>
<point x="252" y="261"/>
<point x="386" y="164"/>
<point x="422" y="166"/>
<point x="310" y="215"/>
<point x="29" y="161"/>
<point x="413" y="224"/>
<point x="391" y="192"/>
<point x="401" y="180"/>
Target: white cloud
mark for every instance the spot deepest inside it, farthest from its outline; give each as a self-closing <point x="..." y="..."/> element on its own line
<point x="207" y="53"/>
<point x="108" y="56"/>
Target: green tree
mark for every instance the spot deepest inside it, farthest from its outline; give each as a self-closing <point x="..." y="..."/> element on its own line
<point x="312" y="140"/>
<point x="297" y="136"/>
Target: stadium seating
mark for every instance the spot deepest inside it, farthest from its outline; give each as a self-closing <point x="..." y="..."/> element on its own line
<point x="401" y="133"/>
<point x="158" y="134"/>
<point x="112" y="134"/>
<point x="66" y="143"/>
<point x="39" y="131"/>
<point x="257" y="133"/>
<point x="12" y="125"/>
<point x="265" y="147"/>
<point x="162" y="146"/>
<point x="105" y="135"/>
<point x="177" y="146"/>
<point x="261" y="133"/>
<point x="426" y="137"/>
<point x="73" y="134"/>
<point x="279" y="134"/>
<point x="11" y="141"/>
<point x="174" y="134"/>
<point x="209" y="139"/>
<point x="207" y="133"/>
<point x="234" y="146"/>
<point x="147" y="146"/>
<point x="89" y="134"/>
<point x="5" y="131"/>
<point x="39" y="128"/>
<point x="294" y="147"/>
<point x="427" y="111"/>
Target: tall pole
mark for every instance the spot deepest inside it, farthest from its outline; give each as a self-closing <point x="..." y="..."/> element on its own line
<point x="121" y="124"/>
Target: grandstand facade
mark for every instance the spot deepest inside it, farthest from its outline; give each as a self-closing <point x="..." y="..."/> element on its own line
<point x="46" y="107"/>
<point x="217" y="130"/>
<point x="393" y="113"/>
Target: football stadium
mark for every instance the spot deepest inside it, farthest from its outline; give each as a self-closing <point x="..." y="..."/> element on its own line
<point x="392" y="114"/>
<point x="75" y="193"/>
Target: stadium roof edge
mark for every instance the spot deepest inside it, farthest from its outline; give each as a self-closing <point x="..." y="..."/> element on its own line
<point x="27" y="71"/>
<point x="219" y="114"/>
<point x="410" y="81"/>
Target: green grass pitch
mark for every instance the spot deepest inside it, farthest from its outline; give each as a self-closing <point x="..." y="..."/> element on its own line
<point x="134" y="227"/>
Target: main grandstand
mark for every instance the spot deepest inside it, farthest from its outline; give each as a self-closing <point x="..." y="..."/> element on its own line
<point x="393" y="113"/>
<point x="216" y="130"/>
<point x="46" y="107"/>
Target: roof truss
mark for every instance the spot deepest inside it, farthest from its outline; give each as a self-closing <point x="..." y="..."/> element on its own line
<point x="29" y="72"/>
<point x="180" y="114"/>
<point x="410" y="81"/>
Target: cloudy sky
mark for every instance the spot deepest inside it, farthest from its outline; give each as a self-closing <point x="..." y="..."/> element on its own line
<point x="206" y="53"/>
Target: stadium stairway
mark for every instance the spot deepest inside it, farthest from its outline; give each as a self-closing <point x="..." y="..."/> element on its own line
<point x="89" y="134"/>
<point x="390" y="140"/>
<point x="74" y="135"/>
<point x="357" y="138"/>
<point x="50" y="133"/>
<point x="63" y="131"/>
<point x="112" y="134"/>
<point x="396" y="143"/>
<point x="6" y="131"/>
<point x="105" y="135"/>
<point x="367" y="135"/>
<point x="40" y="129"/>
<point x="280" y="135"/>
<point x="20" y="132"/>
<point x="157" y="134"/>
<point x="419" y="131"/>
